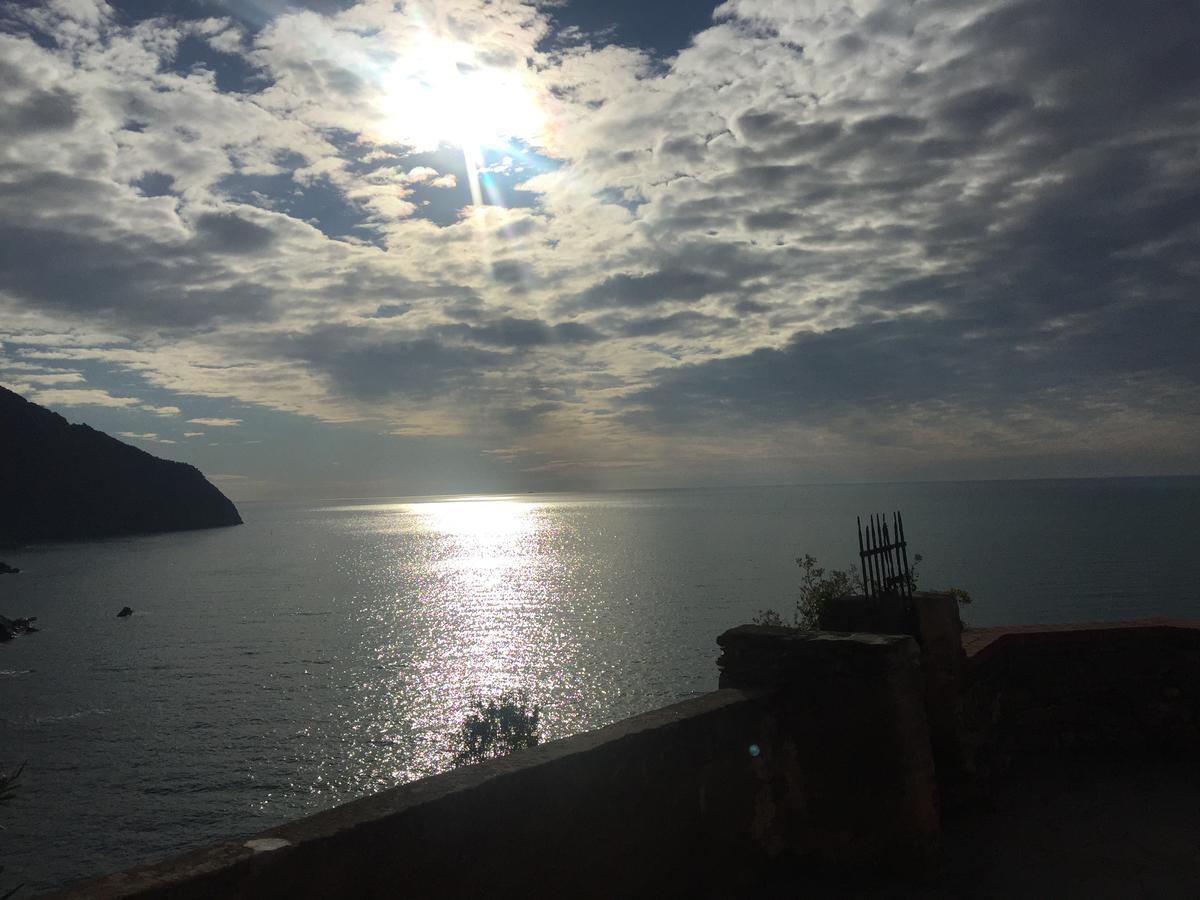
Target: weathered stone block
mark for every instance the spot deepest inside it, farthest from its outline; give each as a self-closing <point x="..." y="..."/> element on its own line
<point x="891" y="614"/>
<point x="853" y="704"/>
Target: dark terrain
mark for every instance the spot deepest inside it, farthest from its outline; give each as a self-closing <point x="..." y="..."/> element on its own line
<point x="60" y="481"/>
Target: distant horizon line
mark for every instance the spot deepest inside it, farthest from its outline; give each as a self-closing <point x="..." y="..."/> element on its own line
<point x="506" y="495"/>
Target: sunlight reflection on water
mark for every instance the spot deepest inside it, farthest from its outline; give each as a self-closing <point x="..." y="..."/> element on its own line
<point x="480" y="616"/>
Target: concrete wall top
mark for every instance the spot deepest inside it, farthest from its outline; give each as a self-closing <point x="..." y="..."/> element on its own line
<point x="980" y="643"/>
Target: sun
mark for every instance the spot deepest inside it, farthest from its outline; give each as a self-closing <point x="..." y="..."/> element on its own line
<point x="440" y="93"/>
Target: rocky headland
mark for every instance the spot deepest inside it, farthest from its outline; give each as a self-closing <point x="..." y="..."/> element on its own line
<point x="60" y="481"/>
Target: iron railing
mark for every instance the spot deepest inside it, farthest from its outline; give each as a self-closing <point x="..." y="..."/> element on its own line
<point x="883" y="556"/>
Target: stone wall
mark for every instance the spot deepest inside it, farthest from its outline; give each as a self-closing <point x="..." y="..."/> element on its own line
<point x="997" y="697"/>
<point x="858" y="737"/>
<point x="932" y="620"/>
<point x="1129" y="688"/>
<point x="700" y="799"/>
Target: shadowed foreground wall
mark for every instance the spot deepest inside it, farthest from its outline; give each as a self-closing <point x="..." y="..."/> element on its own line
<point x="1131" y="689"/>
<point x="694" y="799"/>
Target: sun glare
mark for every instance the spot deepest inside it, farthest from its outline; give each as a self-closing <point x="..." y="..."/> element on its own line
<point x="443" y="95"/>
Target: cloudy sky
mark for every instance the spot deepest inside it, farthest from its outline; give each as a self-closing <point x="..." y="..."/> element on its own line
<point x="379" y="248"/>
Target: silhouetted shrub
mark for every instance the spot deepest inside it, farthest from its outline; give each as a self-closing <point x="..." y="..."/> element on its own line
<point x="816" y="588"/>
<point x="497" y="728"/>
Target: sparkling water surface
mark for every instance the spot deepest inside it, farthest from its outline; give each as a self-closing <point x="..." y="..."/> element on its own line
<point x="326" y="650"/>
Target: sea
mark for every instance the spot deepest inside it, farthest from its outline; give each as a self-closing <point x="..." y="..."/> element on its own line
<point x="326" y="650"/>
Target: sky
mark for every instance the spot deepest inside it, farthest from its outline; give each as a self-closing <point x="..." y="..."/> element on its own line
<point x="338" y="249"/>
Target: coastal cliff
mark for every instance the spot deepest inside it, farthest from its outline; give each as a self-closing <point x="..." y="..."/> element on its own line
<point x="60" y="481"/>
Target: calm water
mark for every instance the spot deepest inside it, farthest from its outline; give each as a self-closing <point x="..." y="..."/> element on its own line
<point x="326" y="650"/>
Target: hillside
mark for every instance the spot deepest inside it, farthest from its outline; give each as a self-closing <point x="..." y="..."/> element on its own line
<point x="60" y="481"/>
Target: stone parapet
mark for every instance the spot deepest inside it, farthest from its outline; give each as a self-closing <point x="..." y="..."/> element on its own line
<point x="1100" y="688"/>
<point x="755" y="656"/>
<point x="932" y="619"/>
<point x="853" y="706"/>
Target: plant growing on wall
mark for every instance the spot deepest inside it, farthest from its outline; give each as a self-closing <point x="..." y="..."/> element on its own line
<point x="497" y="728"/>
<point x="817" y="587"/>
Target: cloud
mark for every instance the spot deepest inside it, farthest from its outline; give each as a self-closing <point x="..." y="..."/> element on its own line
<point x="230" y="233"/>
<point x="148" y="436"/>
<point x="368" y="367"/>
<point x="682" y="323"/>
<point x="81" y="397"/>
<point x="652" y="288"/>
<point x="41" y="111"/>
<point x="132" y="280"/>
<point x="981" y="214"/>
<point x="49" y="378"/>
<point x="215" y="423"/>
<point x="518" y="333"/>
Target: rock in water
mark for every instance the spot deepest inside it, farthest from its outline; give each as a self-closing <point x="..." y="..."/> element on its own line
<point x="9" y="628"/>
<point x="125" y="612"/>
<point x="68" y="482"/>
